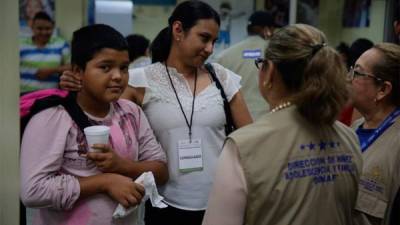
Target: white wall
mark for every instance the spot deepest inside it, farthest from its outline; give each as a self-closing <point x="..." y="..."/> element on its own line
<point x="70" y="15"/>
<point x="149" y="20"/>
<point x="9" y="114"/>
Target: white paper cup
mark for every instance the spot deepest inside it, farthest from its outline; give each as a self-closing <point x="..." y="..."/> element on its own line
<point x="96" y="135"/>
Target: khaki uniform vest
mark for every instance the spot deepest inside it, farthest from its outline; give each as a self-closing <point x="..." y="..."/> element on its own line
<point x="380" y="179"/>
<point x="235" y="59"/>
<point x="298" y="173"/>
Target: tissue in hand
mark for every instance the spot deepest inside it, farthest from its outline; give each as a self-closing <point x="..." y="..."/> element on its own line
<point x="149" y="184"/>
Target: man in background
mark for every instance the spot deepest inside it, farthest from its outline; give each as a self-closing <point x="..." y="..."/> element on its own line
<point x="43" y="57"/>
<point x="240" y="59"/>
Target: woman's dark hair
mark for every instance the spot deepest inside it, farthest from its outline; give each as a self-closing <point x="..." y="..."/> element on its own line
<point x="188" y="13"/>
<point x="313" y="72"/>
<point x="388" y="68"/>
<point x="89" y="40"/>
<point x="357" y="48"/>
<point x="344" y="49"/>
<point x="138" y="45"/>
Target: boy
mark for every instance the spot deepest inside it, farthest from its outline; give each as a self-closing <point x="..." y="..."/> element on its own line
<point x="74" y="188"/>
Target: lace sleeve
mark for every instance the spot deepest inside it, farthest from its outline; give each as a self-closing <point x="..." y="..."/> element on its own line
<point x="137" y="78"/>
<point x="229" y="80"/>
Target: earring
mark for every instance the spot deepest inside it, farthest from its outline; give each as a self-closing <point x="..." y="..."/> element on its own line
<point x="267" y="85"/>
<point x="264" y="83"/>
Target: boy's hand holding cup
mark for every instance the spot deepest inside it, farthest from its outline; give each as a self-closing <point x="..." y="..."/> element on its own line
<point x="96" y="135"/>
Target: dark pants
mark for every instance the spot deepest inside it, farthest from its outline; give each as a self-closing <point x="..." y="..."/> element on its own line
<point x="172" y="216"/>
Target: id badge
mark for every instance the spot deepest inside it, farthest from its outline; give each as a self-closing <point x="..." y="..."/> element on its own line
<point x="190" y="155"/>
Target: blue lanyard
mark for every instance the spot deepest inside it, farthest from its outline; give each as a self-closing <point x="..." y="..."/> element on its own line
<point x="378" y="131"/>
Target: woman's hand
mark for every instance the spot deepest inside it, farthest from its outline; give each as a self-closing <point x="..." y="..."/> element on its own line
<point x="70" y="81"/>
<point x="123" y="190"/>
<point x="106" y="159"/>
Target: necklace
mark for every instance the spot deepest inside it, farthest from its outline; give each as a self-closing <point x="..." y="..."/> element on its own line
<point x="281" y="106"/>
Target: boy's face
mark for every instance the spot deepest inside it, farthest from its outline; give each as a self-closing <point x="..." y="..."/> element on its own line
<point x="106" y="75"/>
<point x="42" y="30"/>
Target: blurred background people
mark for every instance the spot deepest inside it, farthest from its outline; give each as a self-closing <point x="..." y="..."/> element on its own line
<point x="295" y="165"/>
<point x="396" y="25"/>
<point x="138" y="50"/>
<point x="240" y="59"/>
<point x="346" y="115"/>
<point x="226" y="16"/>
<point x="375" y="92"/>
<point x="357" y="48"/>
<point x="43" y="57"/>
<point x="344" y="51"/>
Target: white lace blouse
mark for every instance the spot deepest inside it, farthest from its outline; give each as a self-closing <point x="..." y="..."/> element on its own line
<point x="188" y="191"/>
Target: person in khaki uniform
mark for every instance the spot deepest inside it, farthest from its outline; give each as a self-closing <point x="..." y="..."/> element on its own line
<point x="296" y="164"/>
<point x="240" y="59"/>
<point x="375" y="83"/>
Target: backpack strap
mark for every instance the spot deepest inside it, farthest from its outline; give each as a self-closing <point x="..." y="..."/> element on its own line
<point x="68" y="102"/>
<point x="229" y="126"/>
<point x="75" y="111"/>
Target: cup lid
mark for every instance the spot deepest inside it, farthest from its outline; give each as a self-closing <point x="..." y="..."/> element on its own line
<point x="97" y="130"/>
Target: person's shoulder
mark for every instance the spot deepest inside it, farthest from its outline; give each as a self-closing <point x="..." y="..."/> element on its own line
<point x="237" y="50"/>
<point x="57" y="41"/>
<point x="54" y="115"/>
<point x="223" y="72"/>
<point x="26" y="42"/>
<point x="146" y="69"/>
<point x="128" y="105"/>
<point x="234" y="48"/>
<point x="220" y="71"/>
<point x="344" y="128"/>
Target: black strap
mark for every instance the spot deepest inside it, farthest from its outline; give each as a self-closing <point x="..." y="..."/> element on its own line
<point x="188" y="123"/>
<point x="230" y="126"/>
<point x="75" y="111"/>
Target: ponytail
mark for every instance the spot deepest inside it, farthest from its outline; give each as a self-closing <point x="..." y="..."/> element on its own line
<point x="323" y="92"/>
<point x="161" y="45"/>
<point x="311" y="71"/>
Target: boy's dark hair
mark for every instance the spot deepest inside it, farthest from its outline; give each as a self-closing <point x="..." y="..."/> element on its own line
<point x="89" y="40"/>
<point x="42" y="16"/>
<point x="225" y="5"/>
<point x="138" y="45"/>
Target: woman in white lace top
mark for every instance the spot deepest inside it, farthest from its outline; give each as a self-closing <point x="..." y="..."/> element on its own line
<point x="182" y="102"/>
<point x="185" y="109"/>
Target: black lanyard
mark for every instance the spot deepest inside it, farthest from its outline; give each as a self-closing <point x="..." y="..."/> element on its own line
<point x="180" y="104"/>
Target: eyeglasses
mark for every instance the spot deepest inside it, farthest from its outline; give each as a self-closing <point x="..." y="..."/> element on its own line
<point x="259" y="62"/>
<point x="354" y="74"/>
